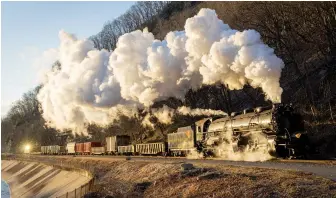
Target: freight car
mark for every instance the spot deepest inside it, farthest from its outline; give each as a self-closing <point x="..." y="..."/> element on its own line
<point x="151" y="148"/>
<point x="44" y="150"/>
<point x="98" y="150"/>
<point x="113" y="142"/>
<point x="126" y="150"/>
<point x="79" y="148"/>
<point x="71" y="148"/>
<point x="89" y="145"/>
<point x="53" y="150"/>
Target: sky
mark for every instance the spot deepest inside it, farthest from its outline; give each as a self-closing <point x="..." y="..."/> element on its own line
<point x="29" y="29"/>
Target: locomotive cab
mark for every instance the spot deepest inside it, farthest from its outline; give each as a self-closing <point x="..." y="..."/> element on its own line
<point x="202" y="128"/>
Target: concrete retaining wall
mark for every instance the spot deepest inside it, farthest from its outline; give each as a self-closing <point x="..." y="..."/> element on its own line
<point x="30" y="179"/>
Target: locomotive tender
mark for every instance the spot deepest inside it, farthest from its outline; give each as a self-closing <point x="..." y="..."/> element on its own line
<point x="277" y="130"/>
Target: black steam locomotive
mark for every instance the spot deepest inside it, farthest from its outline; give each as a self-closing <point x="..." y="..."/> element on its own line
<point x="276" y="129"/>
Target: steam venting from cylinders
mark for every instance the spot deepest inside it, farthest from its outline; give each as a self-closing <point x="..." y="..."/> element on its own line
<point x="95" y="86"/>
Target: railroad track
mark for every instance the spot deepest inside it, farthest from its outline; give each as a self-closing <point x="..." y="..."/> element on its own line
<point x="323" y="168"/>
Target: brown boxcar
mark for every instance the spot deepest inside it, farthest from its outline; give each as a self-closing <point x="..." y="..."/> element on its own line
<point x="88" y="145"/>
<point x="79" y="148"/>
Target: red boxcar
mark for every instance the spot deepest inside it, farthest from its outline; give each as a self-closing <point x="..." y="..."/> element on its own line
<point x="88" y="145"/>
<point x="79" y="148"/>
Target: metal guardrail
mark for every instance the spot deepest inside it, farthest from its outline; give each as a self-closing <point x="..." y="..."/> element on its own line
<point x="82" y="169"/>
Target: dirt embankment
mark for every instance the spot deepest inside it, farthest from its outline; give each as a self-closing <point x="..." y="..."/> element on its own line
<point x="31" y="179"/>
<point x="128" y="178"/>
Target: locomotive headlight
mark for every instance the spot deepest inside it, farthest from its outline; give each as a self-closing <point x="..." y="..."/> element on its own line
<point x="27" y="148"/>
<point x="298" y="135"/>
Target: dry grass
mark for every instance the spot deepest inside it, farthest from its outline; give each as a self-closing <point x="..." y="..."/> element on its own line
<point x="243" y="182"/>
<point x="121" y="178"/>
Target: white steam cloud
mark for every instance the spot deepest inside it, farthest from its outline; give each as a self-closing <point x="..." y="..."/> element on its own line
<point x="197" y="112"/>
<point x="93" y="85"/>
<point x="228" y="150"/>
<point x="165" y="114"/>
<point x="250" y="153"/>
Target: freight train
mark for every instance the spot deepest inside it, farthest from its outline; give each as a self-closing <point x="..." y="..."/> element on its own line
<point x="277" y="130"/>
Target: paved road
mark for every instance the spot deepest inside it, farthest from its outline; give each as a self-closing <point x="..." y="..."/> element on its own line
<point x="325" y="169"/>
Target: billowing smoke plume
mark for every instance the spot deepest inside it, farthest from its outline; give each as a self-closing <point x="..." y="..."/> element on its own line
<point x="164" y="114"/>
<point x="93" y="85"/>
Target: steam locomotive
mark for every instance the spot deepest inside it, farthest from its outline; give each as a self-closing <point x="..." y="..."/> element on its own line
<point x="276" y="129"/>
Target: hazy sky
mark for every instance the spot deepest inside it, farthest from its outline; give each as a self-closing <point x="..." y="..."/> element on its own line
<point x="30" y="28"/>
